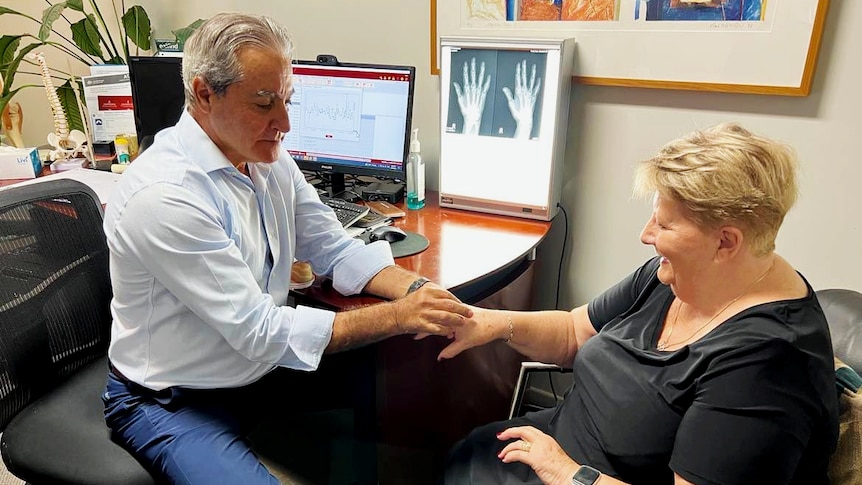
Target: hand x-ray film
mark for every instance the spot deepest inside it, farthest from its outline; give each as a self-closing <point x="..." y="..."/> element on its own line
<point x="504" y="120"/>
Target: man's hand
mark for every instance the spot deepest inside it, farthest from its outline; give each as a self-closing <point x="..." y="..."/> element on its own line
<point x="471" y="99"/>
<point x="430" y="310"/>
<point x="522" y="103"/>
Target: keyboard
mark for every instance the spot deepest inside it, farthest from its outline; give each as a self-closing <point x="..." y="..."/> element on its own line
<point x="346" y="212"/>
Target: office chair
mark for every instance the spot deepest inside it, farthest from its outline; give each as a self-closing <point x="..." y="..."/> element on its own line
<point x="55" y="323"/>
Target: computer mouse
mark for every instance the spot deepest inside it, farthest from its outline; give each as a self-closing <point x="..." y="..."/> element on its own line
<point x="389" y="234"/>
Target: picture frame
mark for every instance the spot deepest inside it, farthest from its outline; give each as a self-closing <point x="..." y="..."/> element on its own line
<point x="648" y="44"/>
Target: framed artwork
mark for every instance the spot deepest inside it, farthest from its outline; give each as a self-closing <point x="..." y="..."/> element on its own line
<point x="740" y="46"/>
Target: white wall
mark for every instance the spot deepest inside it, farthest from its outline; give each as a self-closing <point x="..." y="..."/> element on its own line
<point x="611" y="129"/>
<point x="615" y="127"/>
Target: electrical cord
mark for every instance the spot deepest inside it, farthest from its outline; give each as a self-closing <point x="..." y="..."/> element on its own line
<point x="562" y="253"/>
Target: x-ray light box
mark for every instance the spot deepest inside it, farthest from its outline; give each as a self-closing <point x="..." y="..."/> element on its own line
<point x="504" y="106"/>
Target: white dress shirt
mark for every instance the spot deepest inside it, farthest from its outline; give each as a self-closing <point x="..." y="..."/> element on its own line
<point x="200" y="265"/>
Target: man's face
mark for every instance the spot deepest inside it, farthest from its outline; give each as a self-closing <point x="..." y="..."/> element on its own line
<point x="248" y="121"/>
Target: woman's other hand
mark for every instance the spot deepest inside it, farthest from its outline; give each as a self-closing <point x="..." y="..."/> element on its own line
<point x="541" y="452"/>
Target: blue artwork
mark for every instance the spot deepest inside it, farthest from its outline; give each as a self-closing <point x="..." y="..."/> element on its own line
<point x="712" y="10"/>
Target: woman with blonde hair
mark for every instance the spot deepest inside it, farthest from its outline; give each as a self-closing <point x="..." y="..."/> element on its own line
<point x="709" y="364"/>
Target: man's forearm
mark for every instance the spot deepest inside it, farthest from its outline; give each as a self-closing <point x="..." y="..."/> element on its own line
<point x="355" y="328"/>
<point x="391" y="282"/>
<point x="429" y="310"/>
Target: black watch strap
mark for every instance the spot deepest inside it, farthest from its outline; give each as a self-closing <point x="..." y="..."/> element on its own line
<point x="417" y="284"/>
<point x="586" y="475"/>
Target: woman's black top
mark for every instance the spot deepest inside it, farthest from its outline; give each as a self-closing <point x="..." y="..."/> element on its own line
<point x="753" y="401"/>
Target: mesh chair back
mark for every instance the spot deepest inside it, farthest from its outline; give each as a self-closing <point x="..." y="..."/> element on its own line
<point x="55" y="289"/>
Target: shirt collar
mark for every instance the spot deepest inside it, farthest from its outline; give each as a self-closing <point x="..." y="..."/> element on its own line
<point x="199" y="145"/>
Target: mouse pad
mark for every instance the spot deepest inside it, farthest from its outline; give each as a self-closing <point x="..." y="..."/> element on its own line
<point x="412" y="244"/>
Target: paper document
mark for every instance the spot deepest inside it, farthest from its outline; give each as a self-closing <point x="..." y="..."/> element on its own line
<point x="109" y="102"/>
<point x="100" y="181"/>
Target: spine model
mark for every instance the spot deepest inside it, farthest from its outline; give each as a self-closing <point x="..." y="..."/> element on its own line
<point x="66" y="143"/>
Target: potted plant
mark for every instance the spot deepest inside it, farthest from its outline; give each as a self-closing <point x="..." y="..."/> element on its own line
<point x="91" y="43"/>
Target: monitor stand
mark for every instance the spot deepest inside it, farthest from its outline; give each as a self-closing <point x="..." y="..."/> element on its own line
<point x="336" y="184"/>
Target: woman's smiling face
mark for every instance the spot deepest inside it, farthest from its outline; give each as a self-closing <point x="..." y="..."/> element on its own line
<point x="685" y="247"/>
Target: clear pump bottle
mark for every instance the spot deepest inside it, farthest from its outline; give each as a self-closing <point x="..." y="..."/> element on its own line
<point x="415" y="174"/>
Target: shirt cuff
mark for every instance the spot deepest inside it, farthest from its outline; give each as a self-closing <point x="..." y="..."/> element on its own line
<point x="352" y="274"/>
<point x="311" y="331"/>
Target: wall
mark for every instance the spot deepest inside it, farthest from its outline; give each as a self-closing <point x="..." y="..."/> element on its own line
<point x="611" y="129"/>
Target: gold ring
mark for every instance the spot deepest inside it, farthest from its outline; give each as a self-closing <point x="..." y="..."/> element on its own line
<point x="526" y="446"/>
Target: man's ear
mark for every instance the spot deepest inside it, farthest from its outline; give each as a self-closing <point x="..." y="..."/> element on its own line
<point x="730" y="239"/>
<point x="203" y="94"/>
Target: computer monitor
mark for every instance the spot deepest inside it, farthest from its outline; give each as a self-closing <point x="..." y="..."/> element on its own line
<point x="157" y="93"/>
<point x="503" y="124"/>
<point x="350" y="119"/>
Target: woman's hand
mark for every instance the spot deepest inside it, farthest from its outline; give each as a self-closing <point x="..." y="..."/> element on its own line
<point x="541" y="452"/>
<point x="483" y="327"/>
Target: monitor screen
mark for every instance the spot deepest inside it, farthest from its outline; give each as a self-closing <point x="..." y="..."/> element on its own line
<point x="157" y="93"/>
<point x="351" y="119"/>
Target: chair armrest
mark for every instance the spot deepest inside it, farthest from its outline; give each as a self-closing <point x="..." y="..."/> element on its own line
<point x="527" y="369"/>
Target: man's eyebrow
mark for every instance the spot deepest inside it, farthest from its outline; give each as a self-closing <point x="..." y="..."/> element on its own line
<point x="273" y="96"/>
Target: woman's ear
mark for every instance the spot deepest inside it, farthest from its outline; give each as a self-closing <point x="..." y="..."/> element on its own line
<point x="730" y="240"/>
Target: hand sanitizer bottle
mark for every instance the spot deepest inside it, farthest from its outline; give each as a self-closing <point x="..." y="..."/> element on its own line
<point x="415" y="174"/>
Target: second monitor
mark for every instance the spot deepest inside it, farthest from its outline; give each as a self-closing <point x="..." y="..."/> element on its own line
<point x="351" y="119"/>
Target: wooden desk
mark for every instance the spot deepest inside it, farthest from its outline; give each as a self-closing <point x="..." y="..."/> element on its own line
<point x="420" y="407"/>
<point x="470" y="253"/>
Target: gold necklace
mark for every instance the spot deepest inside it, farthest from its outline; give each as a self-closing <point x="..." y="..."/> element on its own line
<point x="666" y="343"/>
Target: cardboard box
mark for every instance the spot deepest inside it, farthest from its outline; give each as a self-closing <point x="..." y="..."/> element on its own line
<point x="19" y="163"/>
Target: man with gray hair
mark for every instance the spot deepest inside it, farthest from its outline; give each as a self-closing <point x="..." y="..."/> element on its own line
<point x="203" y="229"/>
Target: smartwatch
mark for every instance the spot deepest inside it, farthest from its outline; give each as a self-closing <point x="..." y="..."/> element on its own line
<point x="586" y="475"/>
<point x="417" y="284"/>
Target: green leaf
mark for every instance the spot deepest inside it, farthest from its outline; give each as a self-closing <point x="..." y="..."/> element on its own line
<point x="8" y="45"/>
<point x="50" y="14"/>
<point x="70" y="106"/>
<point x="184" y="33"/>
<point x="75" y="5"/>
<point x="8" y="10"/>
<point x="85" y="33"/>
<point x="12" y="68"/>
<point x="137" y="26"/>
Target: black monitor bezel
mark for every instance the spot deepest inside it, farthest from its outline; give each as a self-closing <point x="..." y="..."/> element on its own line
<point x="341" y="170"/>
<point x="133" y="62"/>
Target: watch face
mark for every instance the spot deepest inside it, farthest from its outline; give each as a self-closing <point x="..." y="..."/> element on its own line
<point x="586" y="476"/>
